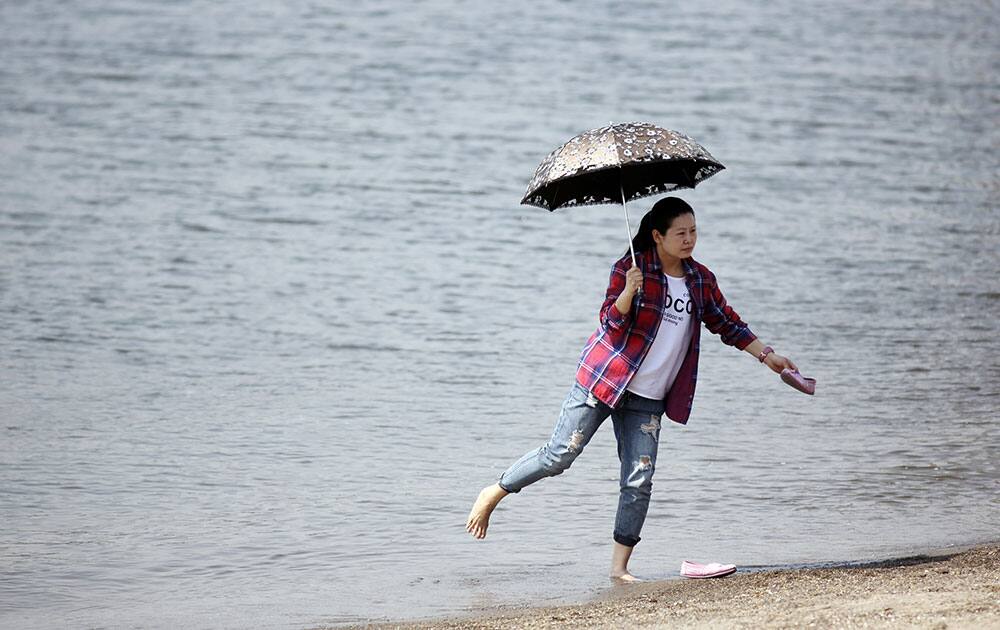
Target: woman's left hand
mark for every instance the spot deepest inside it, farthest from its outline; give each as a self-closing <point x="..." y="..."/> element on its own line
<point x="778" y="363"/>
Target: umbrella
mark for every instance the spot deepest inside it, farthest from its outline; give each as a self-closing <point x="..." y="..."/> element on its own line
<point x="623" y="161"/>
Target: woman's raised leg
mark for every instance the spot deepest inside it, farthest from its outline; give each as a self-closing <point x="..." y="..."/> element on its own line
<point x="579" y="419"/>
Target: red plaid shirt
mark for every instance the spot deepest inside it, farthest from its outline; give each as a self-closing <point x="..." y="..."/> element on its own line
<point x="615" y="351"/>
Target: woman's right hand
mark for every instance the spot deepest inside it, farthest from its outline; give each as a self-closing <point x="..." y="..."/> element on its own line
<point x="633" y="281"/>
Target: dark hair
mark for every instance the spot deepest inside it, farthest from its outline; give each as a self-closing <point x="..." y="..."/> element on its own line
<point x="659" y="218"/>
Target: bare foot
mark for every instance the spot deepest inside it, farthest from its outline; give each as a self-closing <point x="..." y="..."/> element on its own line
<point x="619" y="564"/>
<point x="479" y="517"/>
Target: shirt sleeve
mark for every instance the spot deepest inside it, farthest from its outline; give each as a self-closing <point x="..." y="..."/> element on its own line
<point x="722" y="320"/>
<point x="611" y="318"/>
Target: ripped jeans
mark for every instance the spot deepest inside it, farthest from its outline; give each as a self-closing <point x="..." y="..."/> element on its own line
<point x="637" y="429"/>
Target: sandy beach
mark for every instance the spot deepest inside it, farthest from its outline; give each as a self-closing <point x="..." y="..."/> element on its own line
<point x="940" y="590"/>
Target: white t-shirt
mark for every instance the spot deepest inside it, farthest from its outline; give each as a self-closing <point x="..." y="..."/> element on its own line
<point x="663" y="361"/>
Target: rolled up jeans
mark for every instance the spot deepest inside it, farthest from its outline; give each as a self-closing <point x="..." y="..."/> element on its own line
<point x="637" y="429"/>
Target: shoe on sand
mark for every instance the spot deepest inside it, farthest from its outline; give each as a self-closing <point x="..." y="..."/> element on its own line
<point x="711" y="570"/>
<point x="804" y="384"/>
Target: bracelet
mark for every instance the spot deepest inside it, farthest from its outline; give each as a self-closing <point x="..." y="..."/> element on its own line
<point x="763" y="353"/>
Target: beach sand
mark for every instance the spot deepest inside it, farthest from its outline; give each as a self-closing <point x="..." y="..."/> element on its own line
<point x="950" y="590"/>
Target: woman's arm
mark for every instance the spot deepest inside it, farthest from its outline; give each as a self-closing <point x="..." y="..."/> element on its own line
<point x="633" y="280"/>
<point x="622" y="287"/>
<point x="773" y="360"/>
<point x="721" y="319"/>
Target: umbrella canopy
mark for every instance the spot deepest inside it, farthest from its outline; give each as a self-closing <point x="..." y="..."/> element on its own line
<point x="620" y="162"/>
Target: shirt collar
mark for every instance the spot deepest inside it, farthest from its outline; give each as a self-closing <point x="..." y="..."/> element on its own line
<point x="689" y="268"/>
<point x="653" y="264"/>
<point x="653" y="261"/>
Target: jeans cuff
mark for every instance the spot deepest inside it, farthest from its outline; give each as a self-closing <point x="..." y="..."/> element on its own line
<point x="505" y="488"/>
<point x="628" y="541"/>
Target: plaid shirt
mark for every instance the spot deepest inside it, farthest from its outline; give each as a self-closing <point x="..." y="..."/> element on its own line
<point x="615" y="351"/>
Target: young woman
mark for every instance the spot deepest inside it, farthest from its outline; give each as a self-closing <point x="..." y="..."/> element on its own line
<point x="641" y="362"/>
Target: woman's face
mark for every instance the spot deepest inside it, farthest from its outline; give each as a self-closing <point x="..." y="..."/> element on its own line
<point x="679" y="239"/>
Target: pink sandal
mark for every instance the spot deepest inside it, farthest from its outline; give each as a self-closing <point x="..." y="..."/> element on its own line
<point x="701" y="571"/>
<point x="804" y="384"/>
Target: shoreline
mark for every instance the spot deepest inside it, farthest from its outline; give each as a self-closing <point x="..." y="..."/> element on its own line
<point x="940" y="589"/>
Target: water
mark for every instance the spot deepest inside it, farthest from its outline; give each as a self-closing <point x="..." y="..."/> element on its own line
<point x="271" y="314"/>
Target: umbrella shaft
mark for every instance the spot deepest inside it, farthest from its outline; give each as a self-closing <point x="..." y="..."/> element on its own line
<point x="628" y="228"/>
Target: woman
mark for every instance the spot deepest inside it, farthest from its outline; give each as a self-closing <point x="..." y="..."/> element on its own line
<point x="641" y="362"/>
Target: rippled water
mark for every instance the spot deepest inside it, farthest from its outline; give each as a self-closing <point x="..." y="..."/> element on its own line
<point x="270" y="314"/>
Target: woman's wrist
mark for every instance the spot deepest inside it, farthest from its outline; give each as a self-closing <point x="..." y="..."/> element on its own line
<point x="624" y="302"/>
<point x="762" y="355"/>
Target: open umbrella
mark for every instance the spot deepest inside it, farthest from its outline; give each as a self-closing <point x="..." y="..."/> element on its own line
<point x="623" y="161"/>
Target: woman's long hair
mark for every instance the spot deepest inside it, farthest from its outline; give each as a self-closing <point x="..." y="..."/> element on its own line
<point x="659" y="218"/>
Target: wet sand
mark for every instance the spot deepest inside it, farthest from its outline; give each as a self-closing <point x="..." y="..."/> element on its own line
<point x="949" y="590"/>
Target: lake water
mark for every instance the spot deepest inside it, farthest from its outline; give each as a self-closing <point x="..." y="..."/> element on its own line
<point x="271" y="315"/>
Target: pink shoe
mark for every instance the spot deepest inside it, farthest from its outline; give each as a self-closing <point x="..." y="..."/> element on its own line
<point x="712" y="570"/>
<point x="804" y="384"/>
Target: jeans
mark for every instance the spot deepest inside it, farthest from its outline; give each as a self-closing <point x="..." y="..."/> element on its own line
<point x="637" y="429"/>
